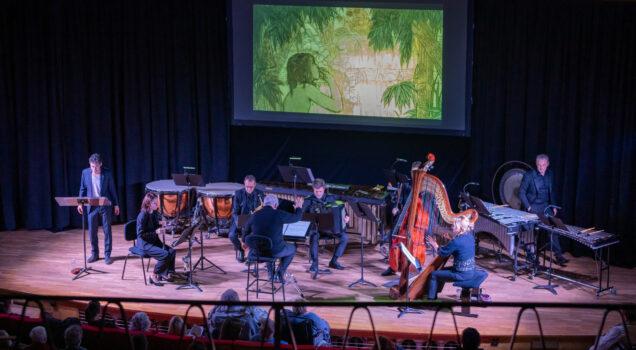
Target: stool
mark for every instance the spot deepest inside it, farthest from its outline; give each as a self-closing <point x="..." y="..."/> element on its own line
<point x="466" y="286"/>
<point x="260" y="252"/>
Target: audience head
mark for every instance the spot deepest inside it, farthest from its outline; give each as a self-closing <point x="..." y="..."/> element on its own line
<point x="319" y="187"/>
<point x="92" y="310"/>
<point x="385" y="344"/>
<point x="4" y="306"/>
<point x="140" y="342"/>
<point x="470" y="339"/>
<point x="271" y="200"/>
<point x="38" y="335"/>
<point x="175" y="325"/>
<point x="230" y="295"/>
<point x="299" y="309"/>
<point x="139" y="322"/>
<point x="73" y="336"/>
<point x="5" y="340"/>
<point x="250" y="183"/>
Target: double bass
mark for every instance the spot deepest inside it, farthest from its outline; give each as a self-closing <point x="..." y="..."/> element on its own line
<point x="427" y="212"/>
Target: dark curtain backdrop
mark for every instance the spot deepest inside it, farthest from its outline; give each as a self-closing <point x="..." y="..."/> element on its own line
<point x="145" y="84"/>
<point x="141" y="82"/>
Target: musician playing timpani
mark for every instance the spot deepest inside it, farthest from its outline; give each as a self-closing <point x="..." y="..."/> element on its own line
<point x="462" y="248"/>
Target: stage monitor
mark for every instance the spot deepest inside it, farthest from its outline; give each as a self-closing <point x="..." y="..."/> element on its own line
<point x="377" y="66"/>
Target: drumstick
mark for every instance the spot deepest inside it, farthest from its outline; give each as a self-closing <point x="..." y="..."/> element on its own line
<point x="588" y="229"/>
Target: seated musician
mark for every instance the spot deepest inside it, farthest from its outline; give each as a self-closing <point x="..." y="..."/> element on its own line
<point x="320" y="203"/>
<point x="148" y="240"/>
<point x="462" y="248"/>
<point x="245" y="201"/>
<point x="268" y="222"/>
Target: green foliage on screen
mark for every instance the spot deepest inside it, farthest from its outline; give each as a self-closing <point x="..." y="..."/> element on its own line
<point x="348" y="61"/>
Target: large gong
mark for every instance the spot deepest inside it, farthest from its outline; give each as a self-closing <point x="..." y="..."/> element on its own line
<point x="506" y="183"/>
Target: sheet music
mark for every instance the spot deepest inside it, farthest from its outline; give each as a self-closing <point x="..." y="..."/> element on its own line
<point x="410" y="256"/>
<point x="297" y="229"/>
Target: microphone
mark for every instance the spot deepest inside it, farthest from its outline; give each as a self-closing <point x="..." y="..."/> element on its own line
<point x="472" y="184"/>
<point x="401" y="160"/>
<point x="295" y="158"/>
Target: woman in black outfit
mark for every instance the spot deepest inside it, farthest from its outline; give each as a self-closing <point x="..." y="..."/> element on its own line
<point x="148" y="240"/>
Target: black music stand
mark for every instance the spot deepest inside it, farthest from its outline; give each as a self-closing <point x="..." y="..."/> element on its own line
<point x="549" y="287"/>
<point x="83" y="201"/>
<point x="322" y="222"/>
<point x="407" y="309"/>
<point x="293" y="174"/>
<point x="363" y="212"/>
<point x="188" y="234"/>
<point x="188" y="180"/>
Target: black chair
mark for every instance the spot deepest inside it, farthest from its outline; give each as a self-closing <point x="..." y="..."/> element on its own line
<point x="261" y="252"/>
<point x="130" y="233"/>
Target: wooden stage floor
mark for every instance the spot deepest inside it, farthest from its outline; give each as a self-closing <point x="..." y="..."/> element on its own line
<point x="40" y="262"/>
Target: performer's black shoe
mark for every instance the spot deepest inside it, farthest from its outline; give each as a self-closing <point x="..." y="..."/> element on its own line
<point x="240" y="256"/>
<point x="154" y="282"/>
<point x="388" y="272"/>
<point x="108" y="260"/>
<point x="92" y="258"/>
<point x="335" y="265"/>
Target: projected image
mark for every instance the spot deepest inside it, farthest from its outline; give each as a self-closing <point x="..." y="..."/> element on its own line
<point x="367" y="62"/>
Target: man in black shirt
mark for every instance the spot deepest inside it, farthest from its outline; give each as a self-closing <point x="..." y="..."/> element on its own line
<point x="320" y="203"/>
<point x="536" y="193"/>
<point x="245" y="201"/>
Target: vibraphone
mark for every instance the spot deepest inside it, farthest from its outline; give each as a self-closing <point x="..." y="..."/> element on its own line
<point x="510" y="227"/>
<point x="599" y="241"/>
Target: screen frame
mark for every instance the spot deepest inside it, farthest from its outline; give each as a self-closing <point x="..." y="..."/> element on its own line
<point x="240" y="106"/>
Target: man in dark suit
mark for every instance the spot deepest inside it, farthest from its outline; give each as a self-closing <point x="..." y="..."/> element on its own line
<point x="245" y="201"/>
<point x="98" y="182"/>
<point x="536" y="193"/>
<point x="269" y="222"/>
<point x="322" y="203"/>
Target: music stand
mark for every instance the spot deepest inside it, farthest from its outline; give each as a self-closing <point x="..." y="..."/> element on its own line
<point x="84" y="202"/>
<point x="363" y="212"/>
<point x="390" y="176"/>
<point x="188" y="180"/>
<point x="293" y="174"/>
<point x="550" y="287"/>
<point x="322" y="222"/>
<point x="187" y="234"/>
<point x="407" y="309"/>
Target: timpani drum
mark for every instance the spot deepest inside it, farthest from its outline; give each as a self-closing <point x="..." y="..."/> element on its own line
<point x="173" y="199"/>
<point x="217" y="198"/>
<point x="217" y="203"/>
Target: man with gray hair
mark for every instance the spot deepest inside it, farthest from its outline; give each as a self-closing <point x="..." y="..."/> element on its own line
<point x="38" y="338"/>
<point x="269" y="222"/>
<point x="73" y="338"/>
<point x="537" y="194"/>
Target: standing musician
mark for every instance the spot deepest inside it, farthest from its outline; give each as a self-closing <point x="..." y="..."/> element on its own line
<point x="320" y="203"/>
<point x="148" y="240"/>
<point x="268" y="222"/>
<point x="462" y="248"/>
<point x="245" y="201"/>
<point x="536" y="193"/>
<point x="98" y="182"/>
